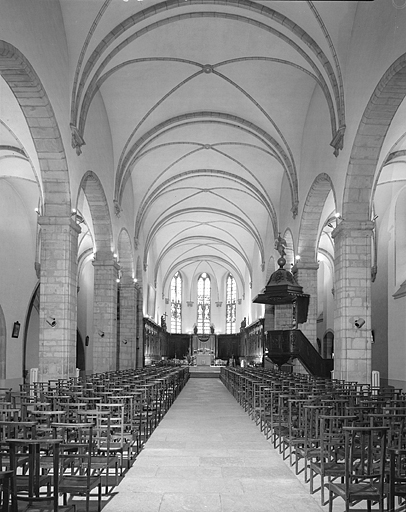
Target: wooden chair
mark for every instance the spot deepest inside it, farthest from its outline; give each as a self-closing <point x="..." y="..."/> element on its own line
<point x="34" y="488"/>
<point x="6" y="488"/>
<point x="112" y="435"/>
<point x="295" y="439"/>
<point x="397" y="477"/>
<point x="77" y="477"/>
<point x="329" y="462"/>
<point x="310" y="449"/>
<point x="364" y="476"/>
<point x="14" y="430"/>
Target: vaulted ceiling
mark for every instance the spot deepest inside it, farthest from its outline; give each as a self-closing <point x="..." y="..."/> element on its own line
<point x="207" y="103"/>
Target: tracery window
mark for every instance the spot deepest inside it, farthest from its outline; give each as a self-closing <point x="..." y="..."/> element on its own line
<point x="231" y="304"/>
<point x="176" y="303"/>
<point x="203" y="303"/>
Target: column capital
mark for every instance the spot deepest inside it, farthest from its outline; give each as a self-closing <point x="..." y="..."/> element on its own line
<point x="128" y="282"/>
<point x="48" y="220"/>
<point x="305" y="265"/>
<point x="348" y="228"/>
<point x="106" y="263"/>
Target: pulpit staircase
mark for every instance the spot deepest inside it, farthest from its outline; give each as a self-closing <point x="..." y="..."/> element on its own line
<point x="285" y="345"/>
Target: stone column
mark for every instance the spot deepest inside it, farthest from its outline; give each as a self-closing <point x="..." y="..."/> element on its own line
<point x="352" y="345"/>
<point x="58" y="298"/>
<point x="105" y="313"/>
<point x="127" y="342"/>
<point x="306" y="275"/>
<point x="139" y="345"/>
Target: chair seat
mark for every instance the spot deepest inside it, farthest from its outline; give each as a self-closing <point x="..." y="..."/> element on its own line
<point x="330" y="468"/>
<point x="43" y="507"/>
<point x="75" y="483"/>
<point x="21" y="481"/>
<point x="360" y="491"/>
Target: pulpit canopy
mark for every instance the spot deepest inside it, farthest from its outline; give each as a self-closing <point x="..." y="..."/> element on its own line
<point x="282" y="288"/>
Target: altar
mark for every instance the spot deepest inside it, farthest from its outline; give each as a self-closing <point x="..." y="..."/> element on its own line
<point x="204" y="359"/>
<point x="204" y="343"/>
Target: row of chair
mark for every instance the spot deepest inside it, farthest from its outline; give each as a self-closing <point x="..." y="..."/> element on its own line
<point x="351" y="436"/>
<point x="73" y="437"/>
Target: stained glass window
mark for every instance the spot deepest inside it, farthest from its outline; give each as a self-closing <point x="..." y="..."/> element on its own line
<point x="203" y="303"/>
<point x="230" y="304"/>
<point x="176" y="303"/>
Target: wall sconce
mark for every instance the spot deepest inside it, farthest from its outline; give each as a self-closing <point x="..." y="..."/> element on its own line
<point x="125" y="341"/>
<point x="78" y="218"/>
<point x="359" y="322"/>
<point x="51" y="321"/>
<point x="101" y="334"/>
<point x="16" y="330"/>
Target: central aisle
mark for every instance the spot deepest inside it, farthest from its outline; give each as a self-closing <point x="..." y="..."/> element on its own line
<point x="207" y="455"/>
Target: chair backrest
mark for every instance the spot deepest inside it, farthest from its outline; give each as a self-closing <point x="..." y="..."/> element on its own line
<point x="76" y="446"/>
<point x="365" y="456"/>
<point x="110" y="426"/>
<point x="332" y="439"/>
<point x="29" y="486"/>
<point x="397" y="475"/>
<point x="6" y="492"/>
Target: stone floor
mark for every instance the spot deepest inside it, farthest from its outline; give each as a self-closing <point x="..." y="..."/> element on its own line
<point x="208" y="455"/>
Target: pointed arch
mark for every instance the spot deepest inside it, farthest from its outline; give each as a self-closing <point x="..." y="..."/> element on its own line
<point x="176" y="295"/>
<point x="231" y="304"/>
<point x="311" y="215"/>
<point x="204" y="296"/>
<point x="29" y="92"/>
<point x="100" y="213"/>
<point x="125" y="254"/>
<point x="290" y="249"/>
<point x="374" y="124"/>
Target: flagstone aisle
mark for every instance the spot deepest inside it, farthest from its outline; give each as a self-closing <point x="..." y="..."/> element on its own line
<point x="208" y="455"/>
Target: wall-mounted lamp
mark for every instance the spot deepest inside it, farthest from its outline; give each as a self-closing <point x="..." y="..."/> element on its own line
<point x="125" y="341"/>
<point x="37" y="211"/>
<point x="297" y="257"/>
<point x="16" y="330"/>
<point x="375" y="217"/>
<point x="338" y="216"/>
<point x="77" y="216"/>
<point x="51" y="321"/>
<point x="101" y="334"/>
<point x="359" y="322"/>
